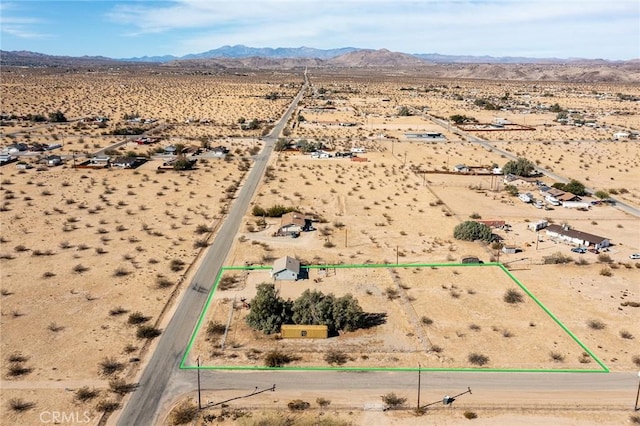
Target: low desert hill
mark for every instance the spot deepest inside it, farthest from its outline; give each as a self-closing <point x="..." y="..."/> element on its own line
<point x="581" y="71"/>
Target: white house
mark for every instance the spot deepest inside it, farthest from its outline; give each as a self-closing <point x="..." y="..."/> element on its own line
<point x="293" y="223"/>
<point x="579" y="238"/>
<point x="286" y="268"/>
<point x="620" y="135"/>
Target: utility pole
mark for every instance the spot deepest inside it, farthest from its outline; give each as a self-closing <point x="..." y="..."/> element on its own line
<point x="419" y="386"/>
<point x="636" y="408"/>
<point x="345" y="237"/>
<point x="397" y="256"/>
<point x="199" y="396"/>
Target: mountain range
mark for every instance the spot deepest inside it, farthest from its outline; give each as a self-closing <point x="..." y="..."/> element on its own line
<point x="437" y="65"/>
<point x="241" y="51"/>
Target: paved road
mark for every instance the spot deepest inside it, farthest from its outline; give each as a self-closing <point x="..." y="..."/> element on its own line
<point x="619" y="204"/>
<point x="143" y="406"/>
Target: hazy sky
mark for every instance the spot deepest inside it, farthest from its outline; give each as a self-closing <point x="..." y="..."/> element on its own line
<point x="608" y="29"/>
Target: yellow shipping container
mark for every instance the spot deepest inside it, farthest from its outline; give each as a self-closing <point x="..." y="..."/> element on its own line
<point x="296" y="331"/>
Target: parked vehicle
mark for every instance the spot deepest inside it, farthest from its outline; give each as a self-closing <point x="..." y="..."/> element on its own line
<point x="579" y="250"/>
<point x="634" y="256"/>
<point x="525" y="198"/>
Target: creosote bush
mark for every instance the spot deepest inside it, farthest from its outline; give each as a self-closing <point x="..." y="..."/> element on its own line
<point x="137" y="318"/>
<point x="513" y="296"/>
<point x="184" y="413"/>
<point x="85" y="394"/>
<point x="478" y="359"/>
<point x="277" y="358"/>
<point x="298" y="405"/>
<point x="391" y="400"/>
<point x="335" y="356"/>
<point x="107" y="406"/>
<point x="215" y="328"/>
<point x="147" y="332"/>
<point x="110" y="366"/>
<point x="20" y="405"/>
<point x="596" y="324"/>
<point x="470" y="415"/>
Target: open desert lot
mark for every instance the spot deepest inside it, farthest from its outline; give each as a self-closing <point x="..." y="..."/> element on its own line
<point x="94" y="260"/>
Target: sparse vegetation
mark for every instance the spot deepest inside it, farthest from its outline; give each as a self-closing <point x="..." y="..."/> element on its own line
<point x="85" y="394"/>
<point x="335" y="356"/>
<point x="184" y="413"/>
<point x="477" y="359"/>
<point x="596" y="324"/>
<point x="513" y="296"/>
<point x="393" y="401"/>
<point x="20" y="405"/>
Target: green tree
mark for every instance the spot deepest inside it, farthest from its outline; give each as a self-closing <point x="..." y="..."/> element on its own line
<point x="601" y="194"/>
<point x="471" y="231"/>
<point x="511" y="190"/>
<point x="575" y="187"/>
<point x="555" y="108"/>
<point x="183" y="163"/>
<point x="347" y="313"/>
<point x="57" y="117"/>
<point x="314" y="307"/>
<point x="337" y="313"/>
<point x="281" y="144"/>
<point x="268" y="310"/>
<point x="520" y="167"/>
<point x="404" y="112"/>
<point x="462" y="119"/>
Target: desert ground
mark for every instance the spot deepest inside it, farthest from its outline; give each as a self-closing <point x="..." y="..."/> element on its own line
<point x="82" y="250"/>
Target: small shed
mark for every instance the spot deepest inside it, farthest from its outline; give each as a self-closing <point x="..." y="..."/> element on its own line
<point x="301" y="331"/>
<point x="286" y="268"/>
<point x="509" y="249"/>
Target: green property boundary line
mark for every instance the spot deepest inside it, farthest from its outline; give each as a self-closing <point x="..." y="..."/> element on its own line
<point x="183" y="366"/>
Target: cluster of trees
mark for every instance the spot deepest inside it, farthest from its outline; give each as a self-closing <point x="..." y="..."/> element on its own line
<point x="57" y="117"/>
<point x="519" y="167"/>
<point x="404" y="112"/>
<point x="306" y="146"/>
<point x="269" y="311"/>
<point x="471" y="231"/>
<point x="282" y="144"/>
<point x="251" y="125"/>
<point x="575" y="187"/>
<point x="462" y="119"/>
<point x="488" y="105"/>
<point x="276" y="210"/>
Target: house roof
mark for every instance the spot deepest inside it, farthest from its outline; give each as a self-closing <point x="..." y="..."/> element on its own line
<point x="572" y="233"/>
<point x="492" y="223"/>
<point x="293" y="218"/>
<point x="286" y="263"/>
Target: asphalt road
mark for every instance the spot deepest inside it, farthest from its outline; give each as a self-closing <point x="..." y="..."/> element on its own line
<point x="619" y="204"/>
<point x="144" y="404"/>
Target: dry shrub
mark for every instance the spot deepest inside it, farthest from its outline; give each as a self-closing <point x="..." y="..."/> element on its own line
<point x="513" y="296"/>
<point x="596" y="324"/>
<point x="20" y="405"/>
<point x="478" y="359"/>
<point x="184" y="413"/>
<point x="391" y="400"/>
<point x="298" y="405"/>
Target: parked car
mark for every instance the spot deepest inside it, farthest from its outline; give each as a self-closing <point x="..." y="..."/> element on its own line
<point x="634" y="256"/>
<point x="579" y="250"/>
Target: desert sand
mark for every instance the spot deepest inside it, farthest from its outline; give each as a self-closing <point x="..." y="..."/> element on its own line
<point x="83" y="249"/>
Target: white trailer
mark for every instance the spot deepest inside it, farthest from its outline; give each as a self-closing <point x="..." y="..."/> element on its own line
<point x="576" y="204"/>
